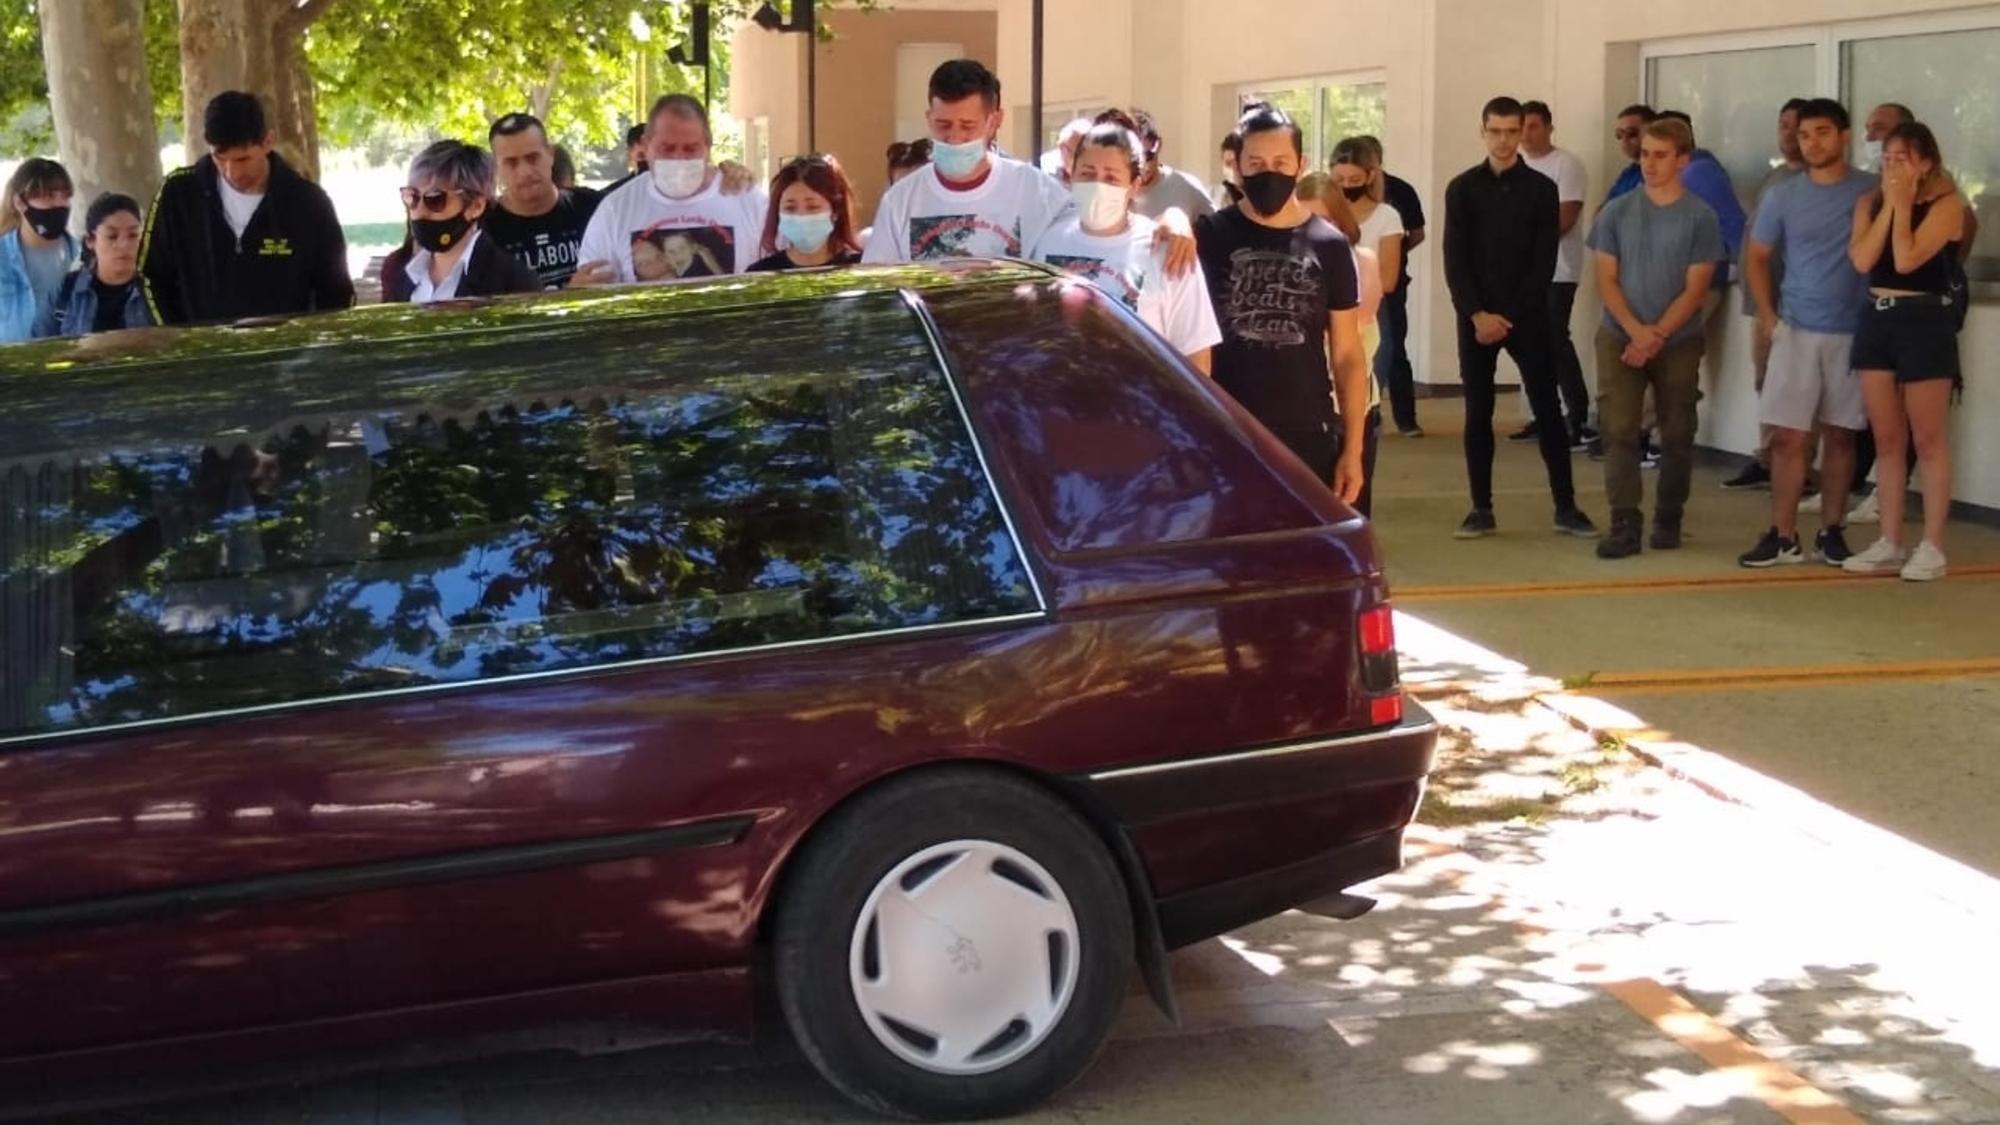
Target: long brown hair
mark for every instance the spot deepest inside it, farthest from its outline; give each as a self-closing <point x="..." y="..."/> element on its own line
<point x="36" y="176"/>
<point x="1922" y="143"/>
<point x="822" y="173"/>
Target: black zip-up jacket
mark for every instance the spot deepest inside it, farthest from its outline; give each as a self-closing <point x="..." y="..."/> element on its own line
<point x="1501" y="233"/>
<point x="489" y="272"/>
<point x="292" y="257"/>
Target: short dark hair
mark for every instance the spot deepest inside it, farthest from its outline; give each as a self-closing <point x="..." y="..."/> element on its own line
<point x="959" y="79"/>
<point x="1232" y="144"/>
<point x="1794" y="105"/>
<point x="1502" y="106"/>
<point x="1640" y="110"/>
<point x="635" y="134"/>
<point x="1904" y="114"/>
<point x="514" y="124"/>
<point x="683" y="105"/>
<point x="106" y="205"/>
<point x="1539" y="108"/>
<point x="1148" y="129"/>
<point x="562" y="169"/>
<point x="233" y="119"/>
<point x="1826" y="109"/>
<point x="1675" y="115"/>
<point x="1267" y="118"/>
<point x="1114" y="134"/>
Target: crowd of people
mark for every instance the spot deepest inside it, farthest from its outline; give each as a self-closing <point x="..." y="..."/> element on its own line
<point x="1288" y="286"/>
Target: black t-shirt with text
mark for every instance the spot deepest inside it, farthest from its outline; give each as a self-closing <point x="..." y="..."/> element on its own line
<point x="547" y="243"/>
<point x="1273" y="289"/>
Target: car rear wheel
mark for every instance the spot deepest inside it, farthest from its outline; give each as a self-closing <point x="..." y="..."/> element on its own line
<point x="954" y="944"/>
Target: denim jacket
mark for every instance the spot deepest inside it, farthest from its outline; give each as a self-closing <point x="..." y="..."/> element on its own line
<point x="74" y="307"/>
<point x="19" y="309"/>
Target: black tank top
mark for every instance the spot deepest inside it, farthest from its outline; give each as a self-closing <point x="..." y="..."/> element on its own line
<point x="1933" y="276"/>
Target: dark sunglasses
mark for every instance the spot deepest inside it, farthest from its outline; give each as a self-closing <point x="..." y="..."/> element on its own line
<point x="807" y="160"/>
<point x="1625" y="134"/>
<point x="432" y="200"/>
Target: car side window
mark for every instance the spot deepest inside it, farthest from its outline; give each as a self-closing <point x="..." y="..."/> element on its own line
<point x="687" y="485"/>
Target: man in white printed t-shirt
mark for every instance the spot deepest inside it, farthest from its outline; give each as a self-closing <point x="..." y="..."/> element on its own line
<point x="684" y="218"/>
<point x="1104" y="241"/>
<point x="972" y="202"/>
<point x="1539" y="152"/>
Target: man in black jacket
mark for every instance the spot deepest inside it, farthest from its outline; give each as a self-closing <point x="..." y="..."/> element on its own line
<point x="1500" y="235"/>
<point x="240" y="233"/>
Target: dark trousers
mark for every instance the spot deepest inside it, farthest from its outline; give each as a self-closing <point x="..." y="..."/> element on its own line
<point x="1373" y="442"/>
<point x="1674" y="377"/>
<point x="1562" y="355"/>
<point x="1529" y="346"/>
<point x="1392" y="358"/>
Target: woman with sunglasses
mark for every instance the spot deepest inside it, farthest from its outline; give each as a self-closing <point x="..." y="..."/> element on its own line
<point x="450" y="188"/>
<point x="813" y="217"/>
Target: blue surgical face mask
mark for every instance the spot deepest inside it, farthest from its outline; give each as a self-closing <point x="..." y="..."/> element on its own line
<point x="808" y="231"/>
<point x="955" y="162"/>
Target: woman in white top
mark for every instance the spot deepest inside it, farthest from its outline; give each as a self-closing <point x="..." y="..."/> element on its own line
<point x="1381" y="224"/>
<point x="1102" y="240"/>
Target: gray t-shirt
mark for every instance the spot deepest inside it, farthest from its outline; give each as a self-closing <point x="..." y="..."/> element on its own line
<point x="1175" y="188"/>
<point x="1772" y="179"/>
<point x="1655" y="247"/>
<point x="46" y="266"/>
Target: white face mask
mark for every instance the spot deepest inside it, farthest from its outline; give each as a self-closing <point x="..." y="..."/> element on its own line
<point x="1871" y="153"/>
<point x="1100" y="206"/>
<point x="678" y="179"/>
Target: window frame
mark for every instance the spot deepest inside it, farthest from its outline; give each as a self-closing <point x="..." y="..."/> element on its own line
<point x="912" y="306"/>
<point x="1317" y="85"/>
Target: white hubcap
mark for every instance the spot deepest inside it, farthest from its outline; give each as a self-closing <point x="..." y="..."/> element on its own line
<point x="964" y="957"/>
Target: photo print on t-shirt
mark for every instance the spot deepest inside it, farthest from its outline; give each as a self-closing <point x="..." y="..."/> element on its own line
<point x="1094" y="270"/>
<point x="666" y="252"/>
<point x="962" y="236"/>
<point x="1272" y="298"/>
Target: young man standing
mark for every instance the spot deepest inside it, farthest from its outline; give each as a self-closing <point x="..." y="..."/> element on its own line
<point x="1160" y="187"/>
<point x="1392" y="355"/>
<point x="534" y="219"/>
<point x="1812" y="320"/>
<point x="1757" y="474"/>
<point x="685" y="215"/>
<point x="1285" y="289"/>
<point x="1538" y="149"/>
<point x="1656" y="251"/>
<point x="1632" y="121"/>
<point x="240" y="233"/>
<point x="1500" y="237"/>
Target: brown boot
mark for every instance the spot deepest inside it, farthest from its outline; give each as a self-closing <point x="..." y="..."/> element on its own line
<point x="1666" y="532"/>
<point x="1623" y="542"/>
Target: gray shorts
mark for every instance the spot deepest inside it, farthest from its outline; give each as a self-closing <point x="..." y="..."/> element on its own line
<point x="1811" y="380"/>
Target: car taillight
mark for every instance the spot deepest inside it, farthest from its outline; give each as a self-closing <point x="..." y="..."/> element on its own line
<point x="1379" y="677"/>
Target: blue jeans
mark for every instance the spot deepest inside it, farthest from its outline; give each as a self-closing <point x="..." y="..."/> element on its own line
<point x="1392" y="357"/>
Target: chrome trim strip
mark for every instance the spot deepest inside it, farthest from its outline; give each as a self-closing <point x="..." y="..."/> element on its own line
<point x="1397" y="732"/>
<point x="54" y="736"/>
<point x="923" y="315"/>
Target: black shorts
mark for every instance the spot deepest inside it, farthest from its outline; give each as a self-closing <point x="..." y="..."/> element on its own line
<point x="1917" y="342"/>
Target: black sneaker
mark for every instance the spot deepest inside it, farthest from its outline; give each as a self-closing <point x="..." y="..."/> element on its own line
<point x="1582" y="438"/>
<point x="1529" y="432"/>
<point x="1772" y="550"/>
<point x="1649" y="456"/>
<point x="1479" y="524"/>
<point x="1830" y="546"/>
<point x="1572" y="521"/>
<point x="1595" y="449"/>
<point x="1752" y="476"/>
<point x="1410" y="431"/>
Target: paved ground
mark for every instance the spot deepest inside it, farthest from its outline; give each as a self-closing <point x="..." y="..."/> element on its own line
<point x="1581" y="934"/>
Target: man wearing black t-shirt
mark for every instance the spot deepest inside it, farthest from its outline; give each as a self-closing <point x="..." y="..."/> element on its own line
<point x="1501" y="230"/>
<point x="1285" y="288"/>
<point x="534" y="220"/>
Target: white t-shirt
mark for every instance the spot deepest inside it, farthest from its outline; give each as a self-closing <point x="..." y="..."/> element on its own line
<point x="1386" y="222"/>
<point x="1127" y="267"/>
<point x="921" y="218"/>
<point x="237" y="206"/>
<point x="649" y="237"/>
<point x="1566" y="170"/>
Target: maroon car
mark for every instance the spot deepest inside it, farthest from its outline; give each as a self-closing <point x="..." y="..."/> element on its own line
<point x="930" y="645"/>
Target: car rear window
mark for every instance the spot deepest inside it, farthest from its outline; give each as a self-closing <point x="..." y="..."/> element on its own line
<point x="403" y="517"/>
<point x="1111" y="441"/>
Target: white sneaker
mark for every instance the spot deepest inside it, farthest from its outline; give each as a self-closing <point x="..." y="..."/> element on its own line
<point x="1926" y="564"/>
<point x="1882" y="557"/>
<point x="1809" y="505"/>
<point x="1868" y="511"/>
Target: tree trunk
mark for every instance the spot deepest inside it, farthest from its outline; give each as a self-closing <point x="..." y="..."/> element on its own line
<point x="101" y="97"/>
<point x="258" y="46"/>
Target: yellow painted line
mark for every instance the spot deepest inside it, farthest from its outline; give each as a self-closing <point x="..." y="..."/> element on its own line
<point x="1737" y="580"/>
<point x="1804" y="675"/>
<point x="1788" y="1095"/>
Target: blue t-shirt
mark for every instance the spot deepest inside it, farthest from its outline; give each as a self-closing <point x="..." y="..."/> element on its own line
<point x="1706" y="177"/>
<point x="1627" y="180"/>
<point x="1811" y="224"/>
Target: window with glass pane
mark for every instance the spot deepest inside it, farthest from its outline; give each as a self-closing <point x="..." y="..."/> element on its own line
<point x="1298" y="103"/>
<point x="1348" y="111"/>
<point x="1734" y="98"/>
<point x="689" y="486"/>
<point x="1949" y="81"/>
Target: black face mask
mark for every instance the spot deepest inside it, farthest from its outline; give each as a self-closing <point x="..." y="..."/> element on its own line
<point x="1354" y="194"/>
<point x="47" y="222"/>
<point x="1268" y="192"/>
<point x="440" y="235"/>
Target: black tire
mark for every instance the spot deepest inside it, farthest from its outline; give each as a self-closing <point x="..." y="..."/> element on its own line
<point x="828" y="885"/>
